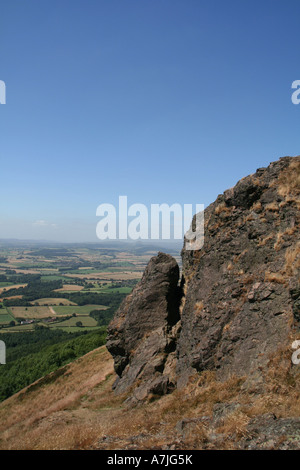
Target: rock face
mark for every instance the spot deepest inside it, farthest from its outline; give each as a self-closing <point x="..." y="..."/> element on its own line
<point x="241" y="291"/>
<point x="142" y="336"/>
<point x="241" y="288"/>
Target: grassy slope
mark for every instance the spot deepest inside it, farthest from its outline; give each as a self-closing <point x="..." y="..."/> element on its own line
<point x="75" y="408"/>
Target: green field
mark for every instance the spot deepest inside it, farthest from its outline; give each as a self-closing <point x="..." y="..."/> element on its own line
<point x="17" y="329"/>
<point x="71" y="275"/>
<point x="120" y="290"/>
<point x="106" y="289"/>
<point x="5" y="317"/>
<point x="79" y="310"/>
<point x="83" y="271"/>
<point x="53" y="277"/>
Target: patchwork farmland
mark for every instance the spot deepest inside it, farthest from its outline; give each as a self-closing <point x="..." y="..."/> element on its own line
<point x="74" y="287"/>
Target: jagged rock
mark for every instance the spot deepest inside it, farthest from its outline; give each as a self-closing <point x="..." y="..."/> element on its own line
<point x="244" y="194"/>
<point x="241" y="289"/>
<point x="271" y="433"/>
<point x="141" y="335"/>
<point x="241" y="277"/>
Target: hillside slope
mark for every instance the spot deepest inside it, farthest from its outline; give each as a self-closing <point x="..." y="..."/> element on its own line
<point x="75" y="408"/>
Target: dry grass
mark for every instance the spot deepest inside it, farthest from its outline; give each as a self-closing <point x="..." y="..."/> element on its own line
<point x="263" y="241"/>
<point x="272" y="207"/>
<point x="248" y="279"/>
<point x="198" y="307"/>
<point x="15" y="286"/>
<point x="237" y="258"/>
<point x="52" y="301"/>
<point x="75" y="408"/>
<point x="222" y="209"/>
<point x="230" y="266"/>
<point x="33" y="417"/>
<point x="12" y="297"/>
<point x="257" y="207"/>
<point x="227" y="326"/>
<point x="279" y="241"/>
<point x="235" y="425"/>
<point x="292" y="260"/>
<point x="183" y="298"/>
<point x="70" y="287"/>
<point x="275" y="277"/>
<point x="289" y="180"/>
<point x="282" y="391"/>
<point x="249" y="218"/>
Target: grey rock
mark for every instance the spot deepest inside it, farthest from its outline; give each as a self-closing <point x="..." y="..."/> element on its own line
<point x="241" y="292"/>
<point x="141" y="335"/>
<point x="242" y="281"/>
<point x="271" y="433"/>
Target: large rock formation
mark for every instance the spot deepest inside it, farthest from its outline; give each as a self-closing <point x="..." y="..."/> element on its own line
<point x="141" y="336"/>
<point x="241" y="291"/>
<point x="242" y="287"/>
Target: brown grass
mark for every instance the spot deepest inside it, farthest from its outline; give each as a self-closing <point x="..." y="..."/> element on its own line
<point x="272" y="207"/>
<point x="75" y="408"/>
<point x="39" y="416"/>
<point x="263" y="241"/>
<point x="70" y="287"/>
<point x="289" y="180"/>
<point x="230" y="266"/>
<point x="222" y="209"/>
<point x="15" y="286"/>
<point x="275" y="277"/>
<point x="279" y="241"/>
<point x="292" y="260"/>
<point x="235" y="425"/>
<point x="257" y="207"/>
<point x="198" y="307"/>
<point x="52" y="301"/>
<point x="237" y="258"/>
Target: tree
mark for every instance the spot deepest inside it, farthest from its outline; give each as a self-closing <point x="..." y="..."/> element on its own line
<point x="79" y="323"/>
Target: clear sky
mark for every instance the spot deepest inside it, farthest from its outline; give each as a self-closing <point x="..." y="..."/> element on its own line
<point x="165" y="101"/>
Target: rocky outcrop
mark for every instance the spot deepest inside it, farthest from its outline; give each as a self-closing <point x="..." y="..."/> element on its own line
<point x="241" y="287"/>
<point x="241" y="291"/>
<point x="142" y="335"/>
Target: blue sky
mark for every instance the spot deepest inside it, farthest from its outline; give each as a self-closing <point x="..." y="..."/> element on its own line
<point x="164" y="101"/>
